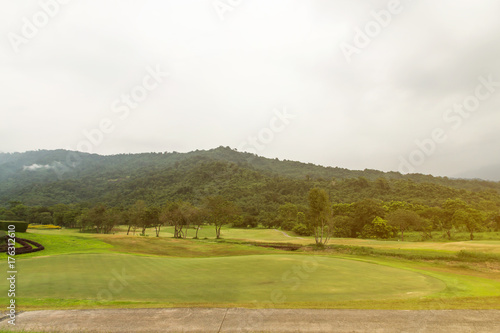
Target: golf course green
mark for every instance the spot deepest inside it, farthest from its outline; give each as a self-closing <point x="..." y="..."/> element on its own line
<point x="78" y="270"/>
<point x="290" y="278"/>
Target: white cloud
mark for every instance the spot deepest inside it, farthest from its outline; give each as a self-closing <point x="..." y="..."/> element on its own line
<point x="35" y="167"/>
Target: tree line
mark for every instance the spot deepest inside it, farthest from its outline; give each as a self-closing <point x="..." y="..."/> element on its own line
<point x="181" y="215"/>
<point x="319" y="217"/>
<point x="372" y="218"/>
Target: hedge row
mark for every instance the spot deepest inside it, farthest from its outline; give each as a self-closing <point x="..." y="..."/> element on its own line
<point x="26" y="243"/>
<point x="19" y="226"/>
<point x="43" y="226"/>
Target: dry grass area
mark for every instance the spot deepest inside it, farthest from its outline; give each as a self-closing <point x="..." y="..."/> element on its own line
<point x="183" y="248"/>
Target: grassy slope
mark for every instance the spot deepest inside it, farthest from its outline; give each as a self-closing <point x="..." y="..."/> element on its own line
<point x="266" y="235"/>
<point x="240" y="282"/>
<point x="230" y="233"/>
<point x="56" y="242"/>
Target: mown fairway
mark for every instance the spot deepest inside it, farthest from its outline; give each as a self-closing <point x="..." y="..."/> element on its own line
<point x="289" y="278"/>
<point x="272" y="235"/>
<point x="87" y="270"/>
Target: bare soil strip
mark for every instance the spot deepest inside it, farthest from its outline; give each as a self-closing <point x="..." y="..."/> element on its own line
<point x="256" y="320"/>
<point x="287" y="235"/>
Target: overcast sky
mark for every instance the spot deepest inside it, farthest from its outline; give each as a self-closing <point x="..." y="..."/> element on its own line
<point x="326" y="82"/>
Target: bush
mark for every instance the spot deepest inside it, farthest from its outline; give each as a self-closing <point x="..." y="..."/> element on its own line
<point x="43" y="226"/>
<point x="378" y="228"/>
<point x="342" y="226"/>
<point x="19" y="226"/>
<point x="246" y="221"/>
<point x="302" y="230"/>
<point x="288" y="225"/>
<point x="341" y="232"/>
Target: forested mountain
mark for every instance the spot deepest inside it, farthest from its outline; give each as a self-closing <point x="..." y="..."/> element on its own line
<point x="256" y="184"/>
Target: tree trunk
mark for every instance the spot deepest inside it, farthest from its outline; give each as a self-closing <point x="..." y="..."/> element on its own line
<point x="471" y="236"/>
<point x="196" y="236"/>
<point x="402" y="235"/>
<point x="327" y="238"/>
<point x="316" y="236"/>
<point x="321" y="239"/>
<point x="129" y="229"/>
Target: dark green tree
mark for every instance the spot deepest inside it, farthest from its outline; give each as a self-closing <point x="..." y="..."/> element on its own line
<point x="320" y="215"/>
<point x="220" y="212"/>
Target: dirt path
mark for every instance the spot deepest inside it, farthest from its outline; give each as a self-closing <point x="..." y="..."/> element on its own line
<point x="255" y="320"/>
<point x="287" y="235"/>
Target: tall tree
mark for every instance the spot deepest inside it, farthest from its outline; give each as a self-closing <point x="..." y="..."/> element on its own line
<point x="171" y="214"/>
<point x="471" y="218"/>
<point x="320" y="215"/>
<point x="363" y="213"/>
<point x="220" y="212"/>
<point x="287" y="215"/>
<point x="450" y="206"/>
<point x="188" y="214"/>
<point x="153" y="217"/>
<point x="404" y="220"/>
<point x="138" y="216"/>
<point x="198" y="220"/>
<point x="112" y="217"/>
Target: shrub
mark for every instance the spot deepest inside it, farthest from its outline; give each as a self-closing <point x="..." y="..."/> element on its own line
<point x="19" y="226"/>
<point x="378" y="228"/>
<point x="43" y="226"/>
<point x="288" y="225"/>
<point x="302" y="230"/>
<point x="342" y="226"/>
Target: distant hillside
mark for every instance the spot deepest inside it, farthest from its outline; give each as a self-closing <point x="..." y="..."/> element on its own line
<point x="491" y="172"/>
<point x="49" y="177"/>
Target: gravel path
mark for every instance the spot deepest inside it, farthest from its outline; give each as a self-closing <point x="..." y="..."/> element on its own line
<point x="256" y="320"/>
<point x="287" y="235"/>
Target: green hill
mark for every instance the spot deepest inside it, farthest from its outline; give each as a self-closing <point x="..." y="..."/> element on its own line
<point x="49" y="177"/>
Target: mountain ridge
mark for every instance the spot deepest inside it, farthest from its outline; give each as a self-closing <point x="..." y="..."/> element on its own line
<point x="47" y="177"/>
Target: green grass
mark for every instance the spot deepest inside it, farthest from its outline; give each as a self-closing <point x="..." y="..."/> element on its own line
<point x="76" y="267"/>
<point x="485" y="242"/>
<point x="62" y="244"/>
<point x="416" y="254"/>
<point x="208" y="232"/>
<point x="486" y="246"/>
<point x="245" y="279"/>
<point x="271" y="235"/>
<point x="439" y="236"/>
